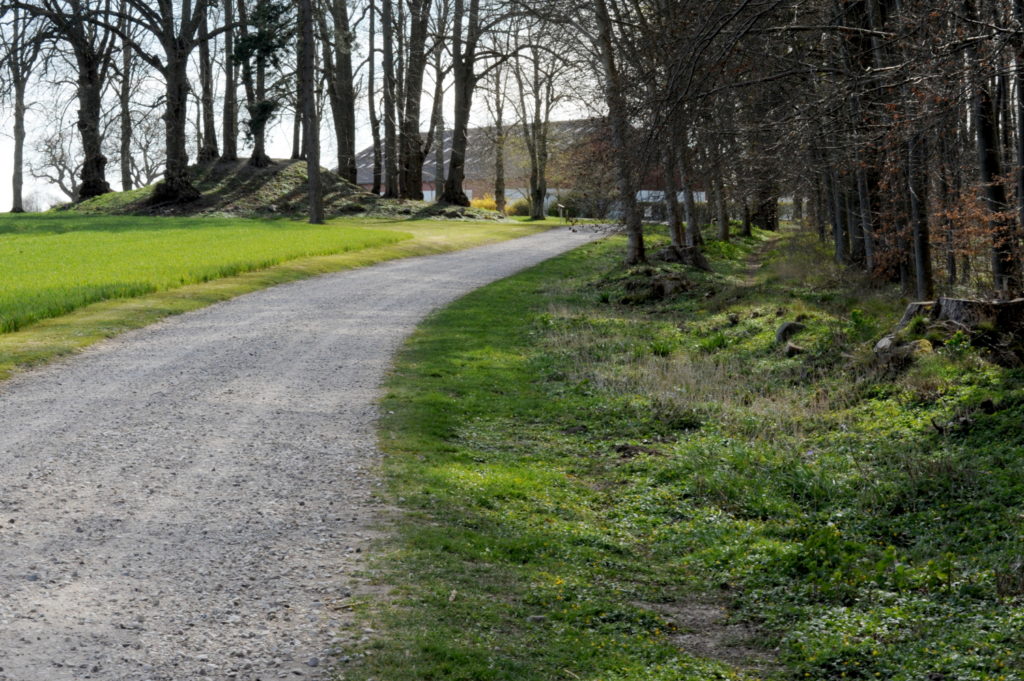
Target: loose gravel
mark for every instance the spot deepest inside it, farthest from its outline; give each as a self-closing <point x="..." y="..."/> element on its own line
<point x="194" y="500"/>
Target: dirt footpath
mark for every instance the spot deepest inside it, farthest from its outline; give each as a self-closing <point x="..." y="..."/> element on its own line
<point x="193" y="500"/>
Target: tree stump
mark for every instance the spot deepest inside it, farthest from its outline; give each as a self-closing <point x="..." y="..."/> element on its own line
<point x="922" y="309"/>
<point x="686" y="255"/>
<point x="1006" y="316"/>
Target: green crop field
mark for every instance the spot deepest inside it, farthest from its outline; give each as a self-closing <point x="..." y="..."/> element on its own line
<point x="53" y="264"/>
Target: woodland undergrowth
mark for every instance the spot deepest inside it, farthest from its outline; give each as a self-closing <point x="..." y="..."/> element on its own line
<point x="584" y="461"/>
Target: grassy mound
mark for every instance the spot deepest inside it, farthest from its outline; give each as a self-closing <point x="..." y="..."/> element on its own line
<point x="237" y="189"/>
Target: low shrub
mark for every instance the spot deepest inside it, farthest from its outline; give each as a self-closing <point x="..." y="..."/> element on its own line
<point x="519" y="207"/>
<point x="485" y="203"/>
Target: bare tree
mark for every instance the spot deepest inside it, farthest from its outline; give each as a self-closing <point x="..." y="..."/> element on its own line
<point x="57" y="160"/>
<point x="21" y="41"/>
<point x="92" y="47"/>
<point x="538" y="68"/>
<point x="338" y="43"/>
<point x="208" y="150"/>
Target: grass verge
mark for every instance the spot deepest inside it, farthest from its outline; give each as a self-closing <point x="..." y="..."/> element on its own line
<point x="588" y="468"/>
<point x="190" y="263"/>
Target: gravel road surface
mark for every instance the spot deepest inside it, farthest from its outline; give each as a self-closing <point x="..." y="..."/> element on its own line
<point x="193" y="500"/>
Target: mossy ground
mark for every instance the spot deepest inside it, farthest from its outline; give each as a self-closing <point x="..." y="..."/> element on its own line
<point x="576" y="475"/>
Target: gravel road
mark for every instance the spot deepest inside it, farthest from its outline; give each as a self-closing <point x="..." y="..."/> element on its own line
<point x="193" y="500"/>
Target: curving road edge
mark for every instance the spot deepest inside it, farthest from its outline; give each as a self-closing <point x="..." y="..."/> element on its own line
<point x="191" y="500"/>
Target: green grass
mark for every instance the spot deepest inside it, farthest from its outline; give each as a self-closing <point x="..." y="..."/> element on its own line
<point x="69" y="281"/>
<point x="54" y="264"/>
<point x="577" y="475"/>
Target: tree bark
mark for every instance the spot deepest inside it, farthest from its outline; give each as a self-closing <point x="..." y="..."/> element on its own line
<point x="94" y="164"/>
<point x="692" y="234"/>
<point x="341" y="91"/>
<point x="619" y="121"/>
<point x="371" y="84"/>
<point x="17" y="181"/>
<point x="230" y="114"/>
<point x="916" y="155"/>
<point x="672" y="207"/>
<point x="124" y="100"/>
<point x="391" y="176"/>
<point x="721" y="205"/>
<point x="176" y="186"/>
<point x="1004" y="264"/>
<point x="838" y="229"/>
<point x="854" y="228"/>
<point x="411" y="151"/>
<point x="208" y="151"/>
<point x="499" y="141"/>
<point x="1004" y="268"/>
<point x="465" y="79"/>
<point x="307" y="83"/>
<point x="297" y="148"/>
<point x="864" y="201"/>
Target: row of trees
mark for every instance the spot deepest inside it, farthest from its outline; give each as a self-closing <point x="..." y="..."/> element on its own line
<point x="897" y="126"/>
<point x="137" y="61"/>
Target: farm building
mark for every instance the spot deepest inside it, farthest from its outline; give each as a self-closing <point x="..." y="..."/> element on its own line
<point x="567" y="140"/>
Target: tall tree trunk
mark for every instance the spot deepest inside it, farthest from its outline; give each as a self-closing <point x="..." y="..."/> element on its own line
<point x="1004" y="265"/>
<point x="500" y="200"/>
<point x="465" y="79"/>
<point x="436" y="133"/>
<point x="297" y="122"/>
<point x="390" y="103"/>
<point x="124" y="100"/>
<point x="1004" y="262"/>
<point x="176" y="186"/>
<point x="855" y="228"/>
<point x="371" y="84"/>
<point x="342" y="91"/>
<point x="539" y="180"/>
<point x="618" y="120"/>
<point x="17" y="205"/>
<point x="692" y="234"/>
<point x="208" y="151"/>
<point x="838" y="228"/>
<point x="721" y="205"/>
<point x="248" y="78"/>
<point x="672" y="207"/>
<point x="412" y="149"/>
<point x="307" y="80"/>
<point x="230" y="114"/>
<point x="1018" y="12"/>
<point x="259" y="118"/>
<point x="864" y="203"/>
<point x="94" y="164"/>
<point x="499" y="142"/>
